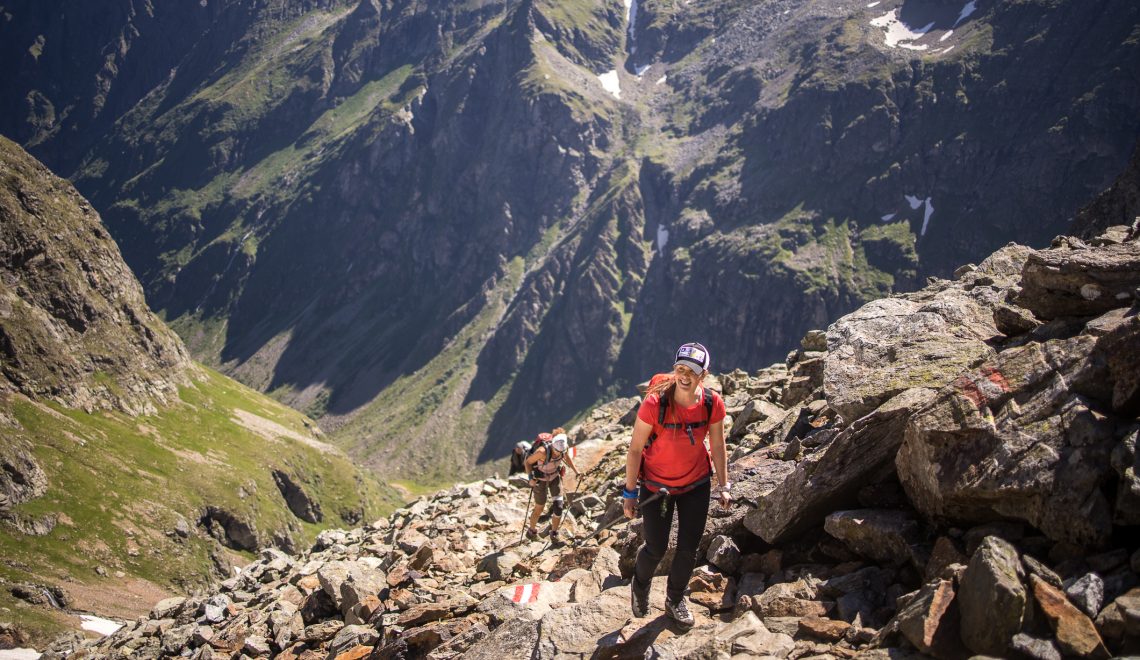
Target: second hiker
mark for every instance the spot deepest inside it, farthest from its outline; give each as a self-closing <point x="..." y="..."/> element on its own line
<point x="518" y="457"/>
<point x="545" y="467"/>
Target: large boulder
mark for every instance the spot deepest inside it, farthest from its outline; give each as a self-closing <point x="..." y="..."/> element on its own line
<point x="891" y="345"/>
<point x="349" y="584"/>
<point x="1120" y="349"/>
<point x="579" y="629"/>
<point x="747" y="636"/>
<point x="992" y="598"/>
<point x="881" y="534"/>
<point x="1075" y="632"/>
<point x="931" y="621"/>
<point x="1126" y="463"/>
<point x="1020" y="437"/>
<point x="514" y="639"/>
<point x="1075" y="280"/>
<point x="530" y="600"/>
<point x="831" y="477"/>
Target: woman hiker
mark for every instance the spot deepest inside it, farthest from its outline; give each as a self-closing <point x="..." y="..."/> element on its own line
<point x="545" y="467"/>
<point x="668" y="452"/>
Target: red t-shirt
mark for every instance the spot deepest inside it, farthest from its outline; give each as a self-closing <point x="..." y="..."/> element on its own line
<point x="673" y="459"/>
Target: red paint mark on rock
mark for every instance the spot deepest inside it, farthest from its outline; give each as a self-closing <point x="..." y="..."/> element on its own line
<point x="983" y="386"/>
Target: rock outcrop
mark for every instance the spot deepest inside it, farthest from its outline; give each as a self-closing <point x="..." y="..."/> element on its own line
<point x="74" y="325"/>
<point x="965" y="513"/>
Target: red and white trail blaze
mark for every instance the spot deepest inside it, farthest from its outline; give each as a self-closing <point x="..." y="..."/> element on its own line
<point x="526" y="593"/>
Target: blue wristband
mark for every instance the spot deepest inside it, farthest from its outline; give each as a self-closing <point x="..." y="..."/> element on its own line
<point x="628" y="494"/>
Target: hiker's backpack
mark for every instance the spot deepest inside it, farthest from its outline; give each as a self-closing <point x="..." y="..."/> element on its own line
<point x="663" y="404"/>
<point x="543" y="440"/>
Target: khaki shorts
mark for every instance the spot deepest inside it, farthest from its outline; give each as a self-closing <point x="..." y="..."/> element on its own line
<point x="540" y="489"/>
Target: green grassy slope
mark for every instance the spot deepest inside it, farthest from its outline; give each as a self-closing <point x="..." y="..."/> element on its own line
<point x="119" y="484"/>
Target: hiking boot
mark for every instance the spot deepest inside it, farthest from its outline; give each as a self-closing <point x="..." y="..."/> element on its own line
<point x="639" y="600"/>
<point x="554" y="536"/>
<point x="531" y="534"/>
<point x="680" y="613"/>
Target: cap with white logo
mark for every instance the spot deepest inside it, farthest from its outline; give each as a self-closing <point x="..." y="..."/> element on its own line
<point x="694" y="356"/>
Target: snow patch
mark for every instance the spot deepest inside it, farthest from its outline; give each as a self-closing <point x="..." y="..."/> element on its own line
<point x="19" y="654"/>
<point x="661" y="80"/>
<point x="947" y="49"/>
<point x="662" y="239"/>
<point x="610" y="82"/>
<point x="96" y="624"/>
<point x="898" y="32"/>
<point x="913" y="201"/>
<point x="872" y="4"/>
<point x="970" y="8"/>
<point x="888" y="217"/>
<point x="946" y="36"/>
<point x="640" y="70"/>
<point x="926" y="217"/>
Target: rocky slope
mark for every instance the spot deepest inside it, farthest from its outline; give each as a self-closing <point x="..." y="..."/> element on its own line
<point x="977" y="496"/>
<point x="121" y="459"/>
<point x="417" y="220"/>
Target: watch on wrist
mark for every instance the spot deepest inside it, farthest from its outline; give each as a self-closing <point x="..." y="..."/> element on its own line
<point x="726" y="487"/>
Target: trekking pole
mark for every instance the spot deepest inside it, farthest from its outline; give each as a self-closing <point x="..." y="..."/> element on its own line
<point x="526" y="513"/>
<point x="652" y="498"/>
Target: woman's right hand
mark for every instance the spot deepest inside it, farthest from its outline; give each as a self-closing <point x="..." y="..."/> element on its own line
<point x="629" y="508"/>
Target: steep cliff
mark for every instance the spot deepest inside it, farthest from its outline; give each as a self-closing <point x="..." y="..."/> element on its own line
<point x="442" y="226"/>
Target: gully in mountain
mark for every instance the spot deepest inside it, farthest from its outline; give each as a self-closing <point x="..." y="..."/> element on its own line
<point x="669" y="456"/>
<point x="545" y="466"/>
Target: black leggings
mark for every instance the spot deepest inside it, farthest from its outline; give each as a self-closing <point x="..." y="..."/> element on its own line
<point x="657" y="518"/>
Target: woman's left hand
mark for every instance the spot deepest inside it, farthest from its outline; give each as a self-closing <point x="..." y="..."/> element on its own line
<point x="725" y="499"/>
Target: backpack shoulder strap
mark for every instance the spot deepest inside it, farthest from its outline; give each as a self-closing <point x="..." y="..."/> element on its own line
<point x="709" y="400"/>
<point x="663" y="403"/>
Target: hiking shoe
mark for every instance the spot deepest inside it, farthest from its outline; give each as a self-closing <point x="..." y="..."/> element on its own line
<point x="680" y="613"/>
<point x="532" y="534"/>
<point x="554" y="536"/>
<point x="638" y="600"/>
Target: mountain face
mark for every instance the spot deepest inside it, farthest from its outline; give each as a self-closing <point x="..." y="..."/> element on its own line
<point x="440" y="226"/>
<point x="75" y="326"/>
<point x="120" y="456"/>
